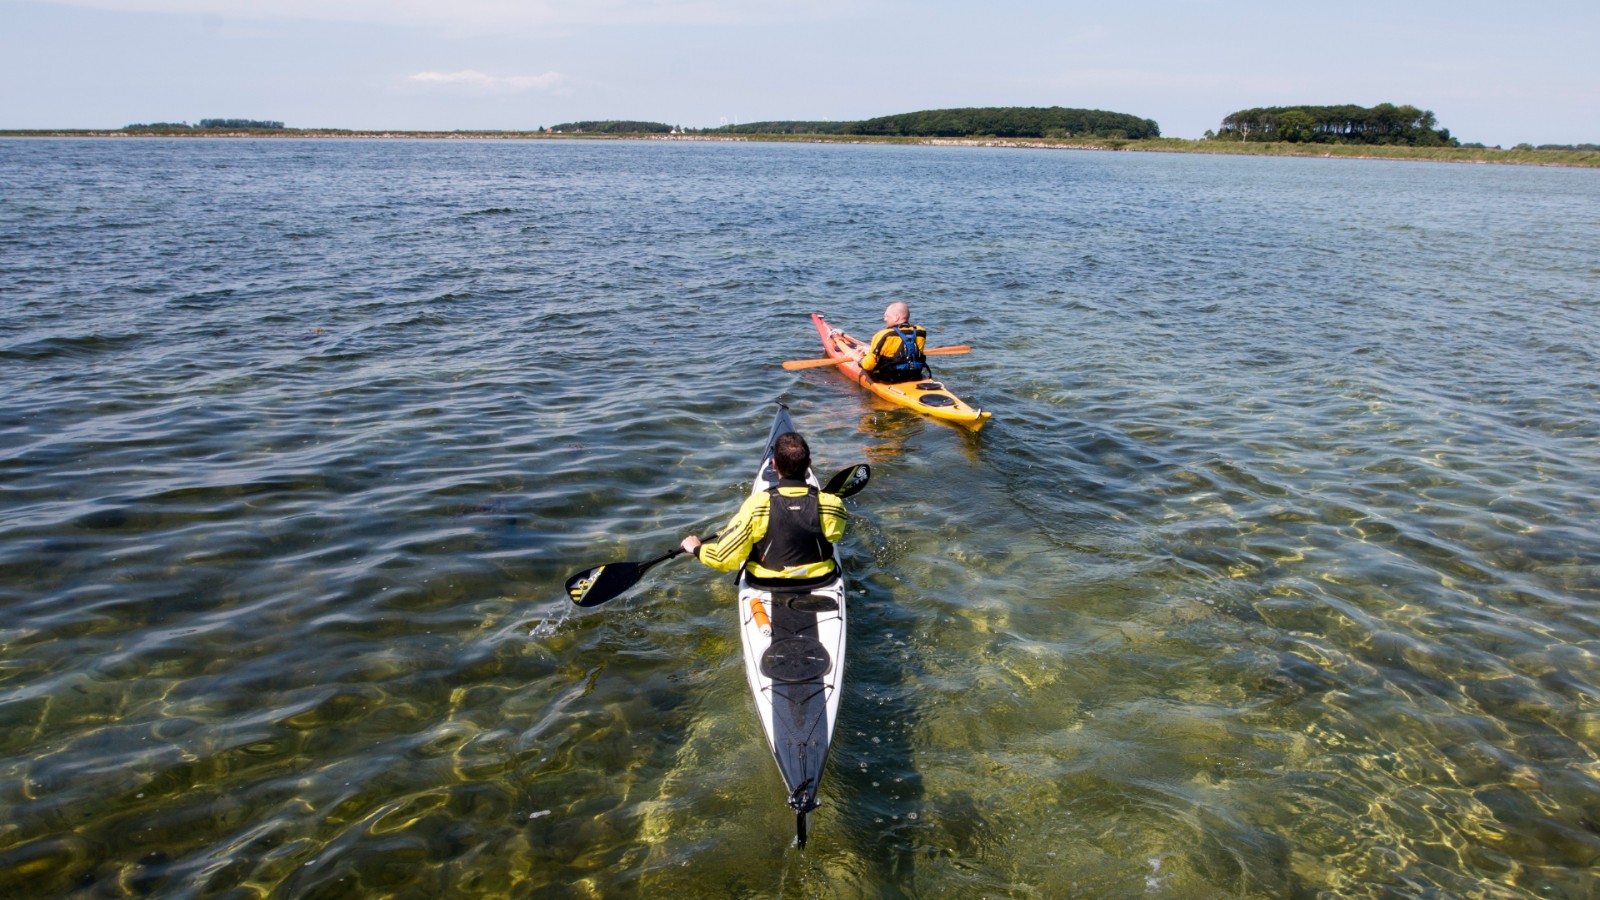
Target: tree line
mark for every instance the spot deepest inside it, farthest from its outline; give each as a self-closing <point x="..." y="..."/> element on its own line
<point x="612" y="126"/>
<point x="987" y="121"/>
<point x="785" y="128"/>
<point x="1385" y="123"/>
<point x="994" y="121"/>
<point x="235" y="124"/>
<point x="1010" y="122"/>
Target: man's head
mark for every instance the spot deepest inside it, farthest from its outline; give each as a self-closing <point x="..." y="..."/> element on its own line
<point x="790" y="456"/>
<point x="897" y="313"/>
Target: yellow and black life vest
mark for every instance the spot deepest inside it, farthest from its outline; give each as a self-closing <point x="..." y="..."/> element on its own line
<point x="907" y="363"/>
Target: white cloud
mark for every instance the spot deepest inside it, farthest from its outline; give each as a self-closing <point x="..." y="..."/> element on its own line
<point x="472" y="79"/>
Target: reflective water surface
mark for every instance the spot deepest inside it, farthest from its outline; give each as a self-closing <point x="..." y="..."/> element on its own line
<point x="1276" y="574"/>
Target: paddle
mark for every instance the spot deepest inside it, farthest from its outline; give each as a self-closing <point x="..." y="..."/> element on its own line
<point x="595" y="586"/>
<point x="818" y="363"/>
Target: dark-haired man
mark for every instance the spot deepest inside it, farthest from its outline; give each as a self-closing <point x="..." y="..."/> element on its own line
<point x="783" y="536"/>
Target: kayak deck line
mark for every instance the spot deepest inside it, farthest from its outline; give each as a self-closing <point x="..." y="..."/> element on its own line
<point x="928" y="395"/>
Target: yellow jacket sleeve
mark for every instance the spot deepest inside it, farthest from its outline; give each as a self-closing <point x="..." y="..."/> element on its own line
<point x="732" y="546"/>
<point x="834" y="518"/>
<point x="876" y="351"/>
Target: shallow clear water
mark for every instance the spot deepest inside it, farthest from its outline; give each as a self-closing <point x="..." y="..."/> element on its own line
<point x="1276" y="573"/>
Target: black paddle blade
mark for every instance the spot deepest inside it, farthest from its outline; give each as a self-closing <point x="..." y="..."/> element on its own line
<point x="592" y="587"/>
<point x="849" y="482"/>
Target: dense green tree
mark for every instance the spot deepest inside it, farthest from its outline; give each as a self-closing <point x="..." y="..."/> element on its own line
<point x="262" y="124"/>
<point x="1385" y="123"/>
<point x="999" y="121"/>
<point x="612" y="126"/>
<point x="1296" y="125"/>
<point x="1010" y="121"/>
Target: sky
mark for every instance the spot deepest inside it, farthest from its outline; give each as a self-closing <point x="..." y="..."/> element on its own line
<point x="1493" y="73"/>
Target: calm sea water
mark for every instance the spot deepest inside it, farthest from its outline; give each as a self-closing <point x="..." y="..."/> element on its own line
<point x="1276" y="574"/>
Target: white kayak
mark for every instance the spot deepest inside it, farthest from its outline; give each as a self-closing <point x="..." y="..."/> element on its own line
<point x="794" y="659"/>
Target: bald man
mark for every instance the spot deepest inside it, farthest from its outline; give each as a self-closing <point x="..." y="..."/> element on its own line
<point x="895" y="353"/>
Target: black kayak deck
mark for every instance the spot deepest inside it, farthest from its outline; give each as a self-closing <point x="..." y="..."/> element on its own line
<point x="800" y="667"/>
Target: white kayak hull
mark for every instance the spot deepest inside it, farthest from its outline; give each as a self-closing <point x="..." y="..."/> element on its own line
<point x="794" y="653"/>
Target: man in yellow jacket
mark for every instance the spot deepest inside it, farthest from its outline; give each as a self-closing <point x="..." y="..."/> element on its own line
<point x="894" y="354"/>
<point x="783" y="536"/>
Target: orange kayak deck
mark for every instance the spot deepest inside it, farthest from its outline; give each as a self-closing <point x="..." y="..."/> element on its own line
<point x="929" y="397"/>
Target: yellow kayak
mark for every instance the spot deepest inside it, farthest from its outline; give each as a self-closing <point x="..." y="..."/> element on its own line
<point x="929" y="397"/>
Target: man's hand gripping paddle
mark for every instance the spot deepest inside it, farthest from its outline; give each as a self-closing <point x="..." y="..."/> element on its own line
<point x="595" y="586"/>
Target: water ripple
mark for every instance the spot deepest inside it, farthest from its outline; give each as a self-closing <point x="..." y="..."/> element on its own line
<point x="1275" y="574"/>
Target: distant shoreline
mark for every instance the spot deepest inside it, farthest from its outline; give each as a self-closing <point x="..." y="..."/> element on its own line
<point x="1482" y="156"/>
